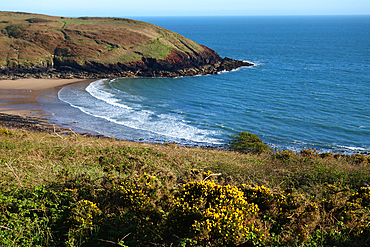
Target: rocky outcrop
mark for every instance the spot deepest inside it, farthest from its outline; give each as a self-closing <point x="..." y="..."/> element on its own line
<point x="174" y="65"/>
<point x="188" y="66"/>
<point x="45" y="46"/>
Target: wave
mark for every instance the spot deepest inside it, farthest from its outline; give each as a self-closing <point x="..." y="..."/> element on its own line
<point x="96" y="89"/>
<point x="101" y="101"/>
<point x="319" y="148"/>
<point x="354" y="149"/>
<point x="240" y="68"/>
<point x="228" y="71"/>
<point x="253" y="64"/>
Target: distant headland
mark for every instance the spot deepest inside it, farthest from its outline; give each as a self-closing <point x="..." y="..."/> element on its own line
<point x="41" y="46"/>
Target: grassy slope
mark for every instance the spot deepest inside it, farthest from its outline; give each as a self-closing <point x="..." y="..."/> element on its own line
<point x="311" y="199"/>
<point x="27" y="39"/>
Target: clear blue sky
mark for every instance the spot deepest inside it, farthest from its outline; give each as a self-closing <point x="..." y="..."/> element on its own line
<point x="123" y="8"/>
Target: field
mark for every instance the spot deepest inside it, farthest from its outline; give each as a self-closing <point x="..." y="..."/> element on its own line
<point x="70" y="190"/>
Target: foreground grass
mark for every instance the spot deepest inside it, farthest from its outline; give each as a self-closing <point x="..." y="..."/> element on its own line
<point x="77" y="191"/>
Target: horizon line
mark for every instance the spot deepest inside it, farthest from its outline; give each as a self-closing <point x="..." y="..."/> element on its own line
<point x="206" y="15"/>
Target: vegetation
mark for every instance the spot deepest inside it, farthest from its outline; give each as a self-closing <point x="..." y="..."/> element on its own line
<point x="69" y="190"/>
<point x="247" y="142"/>
<point x="14" y="31"/>
<point x="37" y="20"/>
<point x="87" y="39"/>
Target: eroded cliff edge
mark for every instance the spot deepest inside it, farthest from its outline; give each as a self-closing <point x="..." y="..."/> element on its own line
<point x="43" y="46"/>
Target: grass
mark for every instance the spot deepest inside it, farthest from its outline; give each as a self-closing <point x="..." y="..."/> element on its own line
<point x="76" y="191"/>
<point x="86" y="39"/>
<point x="155" y="49"/>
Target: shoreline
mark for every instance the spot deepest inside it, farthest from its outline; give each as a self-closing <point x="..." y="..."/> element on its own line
<point x="19" y="97"/>
<point x="20" y="109"/>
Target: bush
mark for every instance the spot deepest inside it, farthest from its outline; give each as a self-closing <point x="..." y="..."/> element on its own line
<point x="84" y="218"/>
<point x="37" y="20"/>
<point x="28" y="216"/>
<point x="248" y="142"/>
<point x="259" y="195"/>
<point x="210" y="213"/>
<point x="15" y="30"/>
<point x="5" y="132"/>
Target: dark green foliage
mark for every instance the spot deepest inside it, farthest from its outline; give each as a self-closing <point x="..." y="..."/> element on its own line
<point x="30" y="217"/>
<point x="247" y="142"/>
<point x="15" y="31"/>
<point x="63" y="51"/>
<point x="37" y="20"/>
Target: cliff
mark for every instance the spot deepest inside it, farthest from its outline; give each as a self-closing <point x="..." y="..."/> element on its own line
<point x="34" y="45"/>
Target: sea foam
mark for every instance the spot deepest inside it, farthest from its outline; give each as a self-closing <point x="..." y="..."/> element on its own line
<point x="104" y="102"/>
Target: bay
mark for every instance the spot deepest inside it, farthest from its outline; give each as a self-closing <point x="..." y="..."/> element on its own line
<point x="309" y="88"/>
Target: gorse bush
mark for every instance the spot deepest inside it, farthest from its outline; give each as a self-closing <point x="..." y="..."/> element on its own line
<point x="84" y="217"/>
<point x="202" y="213"/>
<point x="28" y="217"/>
<point x="362" y="196"/>
<point x="260" y="195"/>
<point x="5" y="132"/>
<point x="212" y="215"/>
<point x="74" y="191"/>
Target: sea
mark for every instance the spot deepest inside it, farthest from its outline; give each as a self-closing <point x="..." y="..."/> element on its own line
<point x="309" y="88"/>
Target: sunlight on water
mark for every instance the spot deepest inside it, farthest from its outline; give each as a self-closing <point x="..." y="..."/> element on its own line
<point x="306" y="90"/>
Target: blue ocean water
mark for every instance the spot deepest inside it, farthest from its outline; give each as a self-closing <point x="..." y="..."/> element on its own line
<point x="310" y="87"/>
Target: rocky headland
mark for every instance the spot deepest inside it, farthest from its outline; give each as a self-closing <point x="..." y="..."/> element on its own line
<point x="40" y="46"/>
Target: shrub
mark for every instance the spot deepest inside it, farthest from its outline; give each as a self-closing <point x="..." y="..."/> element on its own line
<point x="84" y="218"/>
<point x="248" y="142"/>
<point x="62" y="51"/>
<point x="210" y="213"/>
<point x="309" y="152"/>
<point x="130" y="212"/>
<point x="15" y="30"/>
<point x="84" y="214"/>
<point x="360" y="158"/>
<point x="259" y="195"/>
<point x="285" y="155"/>
<point x="5" y="132"/>
<point x="362" y="196"/>
<point x="37" y="20"/>
<point x="27" y="216"/>
<point x="327" y="155"/>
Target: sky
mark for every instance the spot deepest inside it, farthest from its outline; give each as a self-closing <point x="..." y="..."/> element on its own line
<point x="128" y="8"/>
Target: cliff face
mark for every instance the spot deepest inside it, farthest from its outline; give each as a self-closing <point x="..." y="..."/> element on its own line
<point x="44" y="46"/>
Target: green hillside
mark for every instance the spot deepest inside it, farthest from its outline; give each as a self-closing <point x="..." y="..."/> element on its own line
<point x="29" y="39"/>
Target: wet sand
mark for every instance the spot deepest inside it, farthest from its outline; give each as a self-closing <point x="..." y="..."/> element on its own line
<point x="19" y="97"/>
<point x="19" y="107"/>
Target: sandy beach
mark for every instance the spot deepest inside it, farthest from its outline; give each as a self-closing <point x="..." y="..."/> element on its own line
<point x="19" y="97"/>
<point x="35" y="84"/>
<point x="19" y="107"/>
